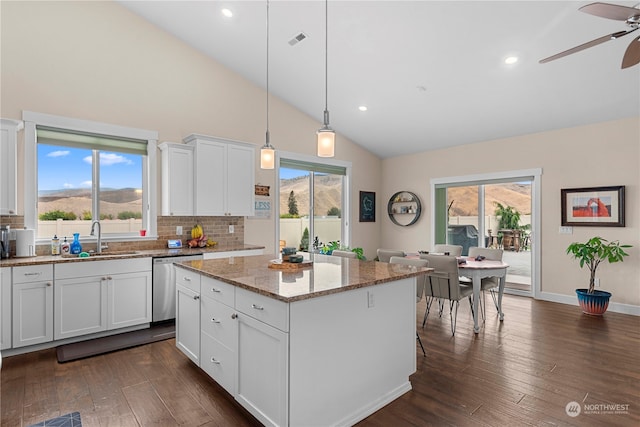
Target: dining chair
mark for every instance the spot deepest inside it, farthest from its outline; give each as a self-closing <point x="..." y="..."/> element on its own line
<point x="344" y="254"/>
<point x="420" y="281"/>
<point x="488" y="283"/>
<point x="444" y="283"/>
<point x="384" y="255"/>
<point x="454" y="250"/>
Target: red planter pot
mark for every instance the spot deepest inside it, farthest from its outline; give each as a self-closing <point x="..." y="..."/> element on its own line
<point x="595" y="304"/>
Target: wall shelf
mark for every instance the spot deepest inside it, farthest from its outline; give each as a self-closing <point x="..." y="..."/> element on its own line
<point x="404" y="208"/>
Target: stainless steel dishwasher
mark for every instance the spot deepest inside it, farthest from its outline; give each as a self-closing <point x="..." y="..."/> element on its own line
<point x="164" y="286"/>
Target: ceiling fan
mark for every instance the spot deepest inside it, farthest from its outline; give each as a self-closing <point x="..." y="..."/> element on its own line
<point x="630" y="15"/>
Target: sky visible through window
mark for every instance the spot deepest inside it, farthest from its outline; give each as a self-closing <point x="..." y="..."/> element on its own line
<point x="61" y="168"/>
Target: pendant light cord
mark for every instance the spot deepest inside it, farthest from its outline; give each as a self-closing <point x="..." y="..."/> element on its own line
<point x="267" y="136"/>
<point x="326" y="59"/>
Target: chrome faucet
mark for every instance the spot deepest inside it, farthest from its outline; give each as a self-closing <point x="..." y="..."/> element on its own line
<point x="99" y="244"/>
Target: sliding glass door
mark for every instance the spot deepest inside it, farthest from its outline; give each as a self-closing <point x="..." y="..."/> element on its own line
<point x="311" y="204"/>
<point x="489" y="213"/>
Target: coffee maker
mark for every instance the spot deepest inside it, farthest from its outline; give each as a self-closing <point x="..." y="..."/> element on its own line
<point x="4" y="241"/>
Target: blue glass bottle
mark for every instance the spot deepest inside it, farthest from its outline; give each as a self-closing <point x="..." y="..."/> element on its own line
<point x="75" y="247"/>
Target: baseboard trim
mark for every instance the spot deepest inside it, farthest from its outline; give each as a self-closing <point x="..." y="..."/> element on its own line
<point x="364" y="412"/>
<point x="615" y="307"/>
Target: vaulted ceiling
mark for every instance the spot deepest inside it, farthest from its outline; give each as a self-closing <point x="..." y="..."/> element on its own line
<point x="431" y="73"/>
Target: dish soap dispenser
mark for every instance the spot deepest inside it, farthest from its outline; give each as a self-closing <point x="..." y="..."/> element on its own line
<point x="65" y="247"/>
<point x="55" y="245"/>
<point x="75" y="247"/>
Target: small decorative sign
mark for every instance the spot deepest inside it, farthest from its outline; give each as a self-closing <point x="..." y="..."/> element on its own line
<point x="262" y="207"/>
<point x="262" y="190"/>
<point x="367" y="206"/>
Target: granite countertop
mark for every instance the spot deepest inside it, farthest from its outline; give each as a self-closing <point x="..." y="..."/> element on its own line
<point x="107" y="255"/>
<point x="327" y="275"/>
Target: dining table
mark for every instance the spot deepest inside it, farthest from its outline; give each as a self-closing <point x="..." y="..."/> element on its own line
<point x="476" y="270"/>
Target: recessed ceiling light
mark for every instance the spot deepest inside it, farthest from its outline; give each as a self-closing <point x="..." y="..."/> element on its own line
<point x="509" y="60"/>
<point x="227" y="12"/>
<point x="362" y="108"/>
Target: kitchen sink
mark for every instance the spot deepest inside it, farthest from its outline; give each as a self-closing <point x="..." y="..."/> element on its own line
<point x="104" y="254"/>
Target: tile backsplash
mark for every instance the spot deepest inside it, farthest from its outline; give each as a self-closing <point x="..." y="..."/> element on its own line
<point x="217" y="228"/>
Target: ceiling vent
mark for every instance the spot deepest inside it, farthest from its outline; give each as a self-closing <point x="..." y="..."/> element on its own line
<point x="297" y="39"/>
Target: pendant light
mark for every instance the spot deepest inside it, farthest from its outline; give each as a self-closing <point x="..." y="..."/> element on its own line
<point x="267" y="152"/>
<point x="326" y="135"/>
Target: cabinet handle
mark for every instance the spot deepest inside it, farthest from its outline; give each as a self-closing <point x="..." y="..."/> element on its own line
<point x="214" y="361"/>
<point x="215" y="290"/>
<point x="213" y="320"/>
<point x="186" y="279"/>
<point x="104" y="278"/>
<point x="257" y="307"/>
<point x="49" y="283"/>
<point x="109" y="278"/>
<point x="196" y="297"/>
<point x="234" y="316"/>
<point x="32" y="274"/>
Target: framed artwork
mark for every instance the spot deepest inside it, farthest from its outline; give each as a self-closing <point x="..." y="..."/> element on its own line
<point x="367" y="206"/>
<point x="594" y="206"/>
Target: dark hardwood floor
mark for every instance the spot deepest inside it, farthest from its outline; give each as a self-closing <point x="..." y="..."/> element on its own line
<point x="523" y="371"/>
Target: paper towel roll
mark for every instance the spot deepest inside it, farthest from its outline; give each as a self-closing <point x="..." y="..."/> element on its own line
<point x="25" y="242"/>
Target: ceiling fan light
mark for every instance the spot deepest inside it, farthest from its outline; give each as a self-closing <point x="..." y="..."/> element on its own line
<point x="326" y="142"/>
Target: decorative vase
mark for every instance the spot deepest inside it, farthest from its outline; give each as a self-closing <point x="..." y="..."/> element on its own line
<point x="75" y="247"/>
<point x="595" y="303"/>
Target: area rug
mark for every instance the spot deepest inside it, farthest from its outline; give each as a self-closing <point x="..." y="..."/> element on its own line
<point x="69" y="420"/>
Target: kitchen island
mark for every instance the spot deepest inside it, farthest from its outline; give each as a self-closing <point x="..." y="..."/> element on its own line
<point x="324" y="345"/>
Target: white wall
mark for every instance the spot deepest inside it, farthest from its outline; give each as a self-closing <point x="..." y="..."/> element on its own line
<point x="597" y="155"/>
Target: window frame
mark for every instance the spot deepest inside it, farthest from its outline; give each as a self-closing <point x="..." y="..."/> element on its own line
<point x="149" y="168"/>
<point x="346" y="193"/>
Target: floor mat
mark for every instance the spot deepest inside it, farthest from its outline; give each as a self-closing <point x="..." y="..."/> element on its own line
<point x="69" y="420"/>
<point x="82" y="349"/>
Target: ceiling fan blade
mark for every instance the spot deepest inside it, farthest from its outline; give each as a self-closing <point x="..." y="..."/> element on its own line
<point x="632" y="54"/>
<point x="610" y="11"/>
<point x="587" y="45"/>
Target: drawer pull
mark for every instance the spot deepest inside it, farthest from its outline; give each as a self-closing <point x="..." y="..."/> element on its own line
<point x="215" y="290"/>
<point x="257" y="307"/>
<point x="214" y="361"/>
<point x="49" y="283"/>
<point x="196" y="297"/>
<point x="234" y="316"/>
<point x="213" y="320"/>
<point x="186" y="279"/>
<point x="32" y="274"/>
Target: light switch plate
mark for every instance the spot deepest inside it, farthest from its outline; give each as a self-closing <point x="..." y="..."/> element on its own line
<point x="565" y="230"/>
<point x="179" y="230"/>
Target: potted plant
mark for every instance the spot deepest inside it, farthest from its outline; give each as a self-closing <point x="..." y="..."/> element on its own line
<point x="592" y="253"/>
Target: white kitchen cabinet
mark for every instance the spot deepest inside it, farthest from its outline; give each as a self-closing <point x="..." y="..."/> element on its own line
<point x="129" y="299"/>
<point x="32" y="305"/>
<point x="5" y="308"/>
<point x="224" y="176"/>
<point x="8" y="165"/>
<point x="263" y="371"/>
<point x="80" y="306"/>
<point x="96" y="296"/>
<point x="177" y="179"/>
<point x="188" y="313"/>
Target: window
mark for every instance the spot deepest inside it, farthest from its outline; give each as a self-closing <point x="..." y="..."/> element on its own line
<point x="86" y="171"/>
<point x="312" y="201"/>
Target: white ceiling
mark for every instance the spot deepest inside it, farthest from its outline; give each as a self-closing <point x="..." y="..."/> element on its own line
<point x="430" y="72"/>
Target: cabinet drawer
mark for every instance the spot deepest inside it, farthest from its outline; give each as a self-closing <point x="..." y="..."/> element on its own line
<point x="98" y="267"/>
<point x="268" y="310"/>
<point x="188" y="279"/>
<point x="216" y="321"/>
<point x="219" y="362"/>
<point x="33" y="273"/>
<point x="219" y="291"/>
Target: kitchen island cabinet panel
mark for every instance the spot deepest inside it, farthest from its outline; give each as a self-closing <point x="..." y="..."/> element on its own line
<point x="188" y="322"/>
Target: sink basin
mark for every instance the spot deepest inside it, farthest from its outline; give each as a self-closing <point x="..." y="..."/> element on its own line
<point x="104" y="254"/>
